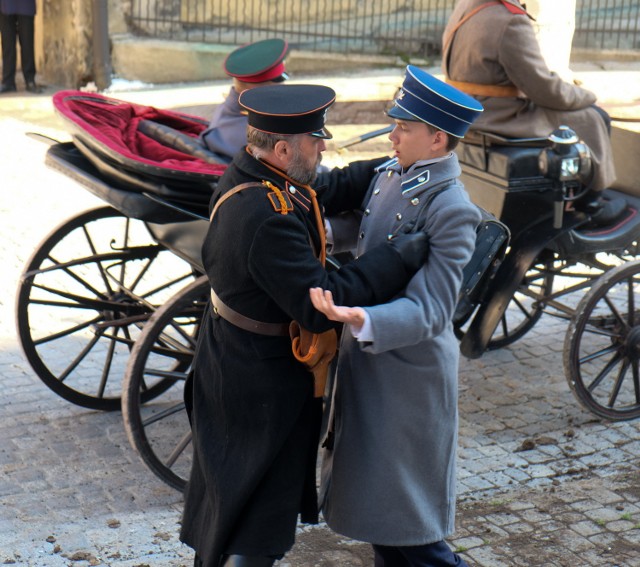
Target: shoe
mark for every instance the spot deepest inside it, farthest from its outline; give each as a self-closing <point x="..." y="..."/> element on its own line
<point x="606" y="211"/>
<point x="32" y="87"/>
<point x="7" y="89"/>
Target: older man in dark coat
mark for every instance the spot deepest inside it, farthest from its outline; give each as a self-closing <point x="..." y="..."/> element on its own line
<point x="490" y="51"/>
<point x="254" y="418"/>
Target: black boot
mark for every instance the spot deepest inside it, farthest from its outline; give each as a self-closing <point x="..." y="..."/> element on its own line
<point x="603" y="211"/>
<point x="248" y="561"/>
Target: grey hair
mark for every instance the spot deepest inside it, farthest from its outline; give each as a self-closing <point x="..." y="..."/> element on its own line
<point x="262" y="143"/>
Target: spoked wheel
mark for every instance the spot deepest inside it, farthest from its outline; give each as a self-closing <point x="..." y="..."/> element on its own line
<point x="86" y="292"/>
<point x="159" y="430"/>
<point x="602" y="345"/>
<point x="524" y="309"/>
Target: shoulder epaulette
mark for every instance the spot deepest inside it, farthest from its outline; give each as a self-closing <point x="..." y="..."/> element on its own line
<point x="386" y="165"/>
<point x="279" y="200"/>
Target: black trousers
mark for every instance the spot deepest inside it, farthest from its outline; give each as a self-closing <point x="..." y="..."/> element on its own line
<point x="436" y="554"/>
<point x="17" y="28"/>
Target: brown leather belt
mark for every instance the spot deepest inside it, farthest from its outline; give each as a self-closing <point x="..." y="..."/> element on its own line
<point x="246" y="323"/>
<point x="486" y="90"/>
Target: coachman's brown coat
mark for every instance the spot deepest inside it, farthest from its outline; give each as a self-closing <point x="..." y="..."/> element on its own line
<point x="498" y="46"/>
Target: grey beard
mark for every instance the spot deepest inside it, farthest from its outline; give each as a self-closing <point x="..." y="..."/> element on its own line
<point x="299" y="171"/>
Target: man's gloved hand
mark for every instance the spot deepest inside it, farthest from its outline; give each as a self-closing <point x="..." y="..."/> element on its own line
<point x="413" y="249"/>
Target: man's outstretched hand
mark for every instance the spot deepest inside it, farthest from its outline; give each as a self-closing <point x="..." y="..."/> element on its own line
<point x="323" y="301"/>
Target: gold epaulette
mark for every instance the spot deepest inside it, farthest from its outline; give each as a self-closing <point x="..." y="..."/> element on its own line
<point x="279" y="199"/>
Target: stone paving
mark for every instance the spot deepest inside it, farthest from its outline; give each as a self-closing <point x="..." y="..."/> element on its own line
<point x="541" y="481"/>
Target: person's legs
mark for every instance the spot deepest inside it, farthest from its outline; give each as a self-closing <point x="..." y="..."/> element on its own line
<point x="8" y="32"/>
<point x="386" y="556"/>
<point x="604" y="115"/>
<point x="27" y="55"/>
<point x="437" y="554"/>
<point x="248" y="561"/>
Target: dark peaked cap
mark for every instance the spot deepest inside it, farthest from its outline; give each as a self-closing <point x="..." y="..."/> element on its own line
<point x="258" y="62"/>
<point x="289" y="109"/>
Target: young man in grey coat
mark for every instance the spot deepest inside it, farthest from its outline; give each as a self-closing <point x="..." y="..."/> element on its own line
<point x="389" y="469"/>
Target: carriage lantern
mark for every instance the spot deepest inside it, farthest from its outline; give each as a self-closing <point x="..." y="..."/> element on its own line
<point x="567" y="161"/>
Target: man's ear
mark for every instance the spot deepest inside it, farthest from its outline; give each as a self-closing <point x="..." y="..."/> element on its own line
<point x="440" y="140"/>
<point x="282" y="150"/>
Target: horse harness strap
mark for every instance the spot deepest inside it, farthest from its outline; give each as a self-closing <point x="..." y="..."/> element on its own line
<point x="223" y="310"/>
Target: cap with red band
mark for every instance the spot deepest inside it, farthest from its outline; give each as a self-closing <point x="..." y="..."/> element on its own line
<point x="258" y="62"/>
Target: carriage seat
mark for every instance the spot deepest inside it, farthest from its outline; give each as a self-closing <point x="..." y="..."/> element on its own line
<point x="179" y="141"/>
<point x="518" y="159"/>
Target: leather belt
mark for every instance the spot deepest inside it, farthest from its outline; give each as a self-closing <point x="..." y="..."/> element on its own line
<point x="246" y="323"/>
<point x="486" y="90"/>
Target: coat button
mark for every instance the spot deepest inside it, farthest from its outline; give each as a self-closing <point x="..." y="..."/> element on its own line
<point x="367" y="212"/>
<point x="415" y="201"/>
<point x="376" y="191"/>
<point x="422" y="179"/>
<point x="398" y="216"/>
<point x="389" y="236"/>
<point x="362" y="235"/>
<point x="389" y="173"/>
<point x="292" y="190"/>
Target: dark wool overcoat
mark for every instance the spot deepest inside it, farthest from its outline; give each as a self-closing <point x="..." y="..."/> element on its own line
<point x="18" y="7"/>
<point x="498" y="47"/>
<point x="253" y="416"/>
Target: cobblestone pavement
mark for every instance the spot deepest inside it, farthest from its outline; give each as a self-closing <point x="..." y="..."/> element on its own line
<point x="540" y="480"/>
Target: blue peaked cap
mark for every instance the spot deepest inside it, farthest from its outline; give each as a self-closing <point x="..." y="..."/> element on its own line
<point x="424" y="98"/>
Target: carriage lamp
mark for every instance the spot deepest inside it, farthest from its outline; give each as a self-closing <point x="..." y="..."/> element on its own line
<point x="568" y="162"/>
<point x="566" y="159"/>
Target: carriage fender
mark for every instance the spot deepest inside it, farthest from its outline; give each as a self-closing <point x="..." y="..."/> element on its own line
<point x="524" y="250"/>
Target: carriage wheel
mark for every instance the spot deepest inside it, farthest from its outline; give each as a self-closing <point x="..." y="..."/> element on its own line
<point x="159" y="430"/>
<point x="86" y="292"/>
<point x="525" y="307"/>
<point x="602" y="345"/>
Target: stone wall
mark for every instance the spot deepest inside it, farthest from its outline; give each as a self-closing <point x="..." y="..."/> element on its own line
<point x="64" y="39"/>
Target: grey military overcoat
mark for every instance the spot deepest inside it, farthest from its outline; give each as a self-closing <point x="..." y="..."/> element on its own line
<point x="497" y="47"/>
<point x="390" y="477"/>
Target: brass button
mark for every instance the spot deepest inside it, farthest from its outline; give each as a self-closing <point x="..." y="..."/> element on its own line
<point x="367" y="212"/>
<point x="362" y="235"/>
<point x="415" y="201"/>
<point x="398" y="216"/>
<point x="376" y="191"/>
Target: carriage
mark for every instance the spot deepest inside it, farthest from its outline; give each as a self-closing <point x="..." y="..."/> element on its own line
<point x="110" y="303"/>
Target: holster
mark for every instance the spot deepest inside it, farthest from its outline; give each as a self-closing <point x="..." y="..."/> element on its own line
<point x="315" y="351"/>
